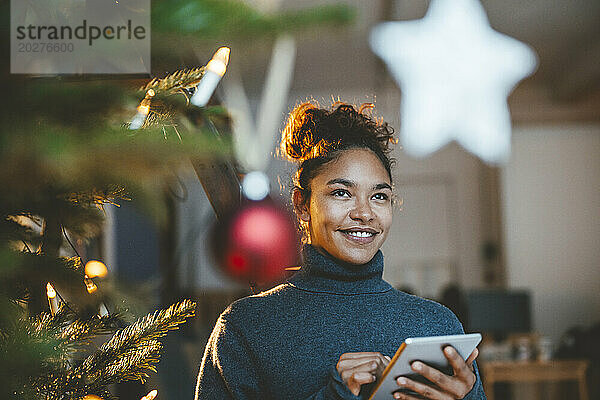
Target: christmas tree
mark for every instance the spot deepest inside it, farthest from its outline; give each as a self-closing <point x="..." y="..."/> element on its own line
<point x="56" y="177"/>
<point x="69" y="145"/>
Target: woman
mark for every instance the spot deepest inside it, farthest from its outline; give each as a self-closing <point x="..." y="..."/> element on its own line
<point x="331" y="329"/>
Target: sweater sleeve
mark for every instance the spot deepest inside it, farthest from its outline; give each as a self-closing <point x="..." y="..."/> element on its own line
<point x="477" y="392"/>
<point x="228" y="368"/>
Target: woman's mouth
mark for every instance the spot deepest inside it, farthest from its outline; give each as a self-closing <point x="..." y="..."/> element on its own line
<point x="360" y="236"/>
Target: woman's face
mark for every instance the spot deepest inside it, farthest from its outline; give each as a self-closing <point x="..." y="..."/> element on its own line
<point x="349" y="212"/>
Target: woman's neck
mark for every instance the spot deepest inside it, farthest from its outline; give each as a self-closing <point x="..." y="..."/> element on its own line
<point x="321" y="272"/>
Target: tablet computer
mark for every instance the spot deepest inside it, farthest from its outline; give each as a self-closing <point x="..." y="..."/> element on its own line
<point x="429" y="350"/>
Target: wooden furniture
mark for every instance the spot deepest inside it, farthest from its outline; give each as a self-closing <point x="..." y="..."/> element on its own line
<point x="534" y="372"/>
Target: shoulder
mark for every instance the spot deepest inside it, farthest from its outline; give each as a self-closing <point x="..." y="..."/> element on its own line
<point x="429" y="312"/>
<point x="256" y="307"/>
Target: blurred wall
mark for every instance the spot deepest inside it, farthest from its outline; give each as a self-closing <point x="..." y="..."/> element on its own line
<point x="551" y="201"/>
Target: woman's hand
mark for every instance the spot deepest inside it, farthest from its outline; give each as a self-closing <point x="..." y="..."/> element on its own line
<point x="443" y="386"/>
<point x="357" y="369"/>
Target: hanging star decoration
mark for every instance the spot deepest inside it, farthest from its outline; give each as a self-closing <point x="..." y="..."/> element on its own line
<point x="455" y="73"/>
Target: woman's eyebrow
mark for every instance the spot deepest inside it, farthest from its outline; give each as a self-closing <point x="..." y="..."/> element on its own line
<point x="341" y="181"/>
<point x="380" y="186"/>
<point x="349" y="183"/>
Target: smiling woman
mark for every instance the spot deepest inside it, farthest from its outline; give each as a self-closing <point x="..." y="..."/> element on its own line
<point x="349" y="211"/>
<point x="329" y="331"/>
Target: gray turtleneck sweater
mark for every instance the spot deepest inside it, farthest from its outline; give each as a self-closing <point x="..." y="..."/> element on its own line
<point x="284" y="343"/>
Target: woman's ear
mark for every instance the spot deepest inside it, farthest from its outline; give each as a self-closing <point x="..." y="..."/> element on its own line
<point x="301" y="205"/>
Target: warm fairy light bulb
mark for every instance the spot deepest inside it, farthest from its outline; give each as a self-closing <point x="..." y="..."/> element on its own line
<point x="50" y="291"/>
<point x="215" y="69"/>
<point x="151" y="395"/>
<point x="142" y="111"/>
<point x="91" y="287"/>
<point x="144" y="107"/>
<point x="89" y="284"/>
<point x="219" y="62"/>
<point x="94" y="268"/>
<point x="102" y="310"/>
<point x="52" y="300"/>
<point x="92" y="397"/>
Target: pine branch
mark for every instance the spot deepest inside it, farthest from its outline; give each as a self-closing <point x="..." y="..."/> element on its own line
<point x="98" y="197"/>
<point x="79" y="332"/>
<point x="162" y="110"/>
<point x="134" y="365"/>
<point x="43" y="346"/>
<point x="34" y="358"/>
<point x="83" y="219"/>
<point x="48" y="324"/>
<point x="72" y="332"/>
<point x="12" y="230"/>
<point x="160" y="115"/>
<point x="150" y="327"/>
<point x="61" y="101"/>
<point x="22" y="273"/>
<point x="129" y="355"/>
<point x="37" y="172"/>
<point x="176" y="82"/>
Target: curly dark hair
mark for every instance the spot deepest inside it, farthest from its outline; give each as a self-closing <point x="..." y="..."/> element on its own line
<point x="315" y="136"/>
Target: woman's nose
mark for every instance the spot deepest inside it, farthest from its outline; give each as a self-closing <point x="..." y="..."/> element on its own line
<point x="362" y="211"/>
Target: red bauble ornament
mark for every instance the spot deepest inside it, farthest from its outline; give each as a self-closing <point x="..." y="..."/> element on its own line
<point x="256" y="243"/>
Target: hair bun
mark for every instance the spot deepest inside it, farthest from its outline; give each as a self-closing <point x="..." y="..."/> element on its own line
<point x="302" y="132"/>
<point x="312" y="132"/>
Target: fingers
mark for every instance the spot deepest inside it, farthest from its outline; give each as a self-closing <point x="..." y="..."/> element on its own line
<point x="462" y="370"/>
<point x="370" y="366"/>
<point x="357" y="379"/>
<point x="363" y="354"/>
<point x="472" y="357"/>
<point x="422" y="389"/>
<point x="351" y="360"/>
<point x="357" y="369"/>
<point x="362" y="378"/>
<point x="446" y="386"/>
<point x="359" y="375"/>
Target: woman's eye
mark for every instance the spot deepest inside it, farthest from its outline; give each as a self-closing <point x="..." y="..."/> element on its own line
<point x="380" y="196"/>
<point x="340" y="193"/>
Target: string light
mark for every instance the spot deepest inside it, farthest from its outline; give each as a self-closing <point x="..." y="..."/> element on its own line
<point x="52" y="300"/>
<point x="215" y="69"/>
<point x="142" y="111"/>
<point x="102" y="310"/>
<point x="151" y="395"/>
<point x="89" y="284"/>
<point x="95" y="269"/>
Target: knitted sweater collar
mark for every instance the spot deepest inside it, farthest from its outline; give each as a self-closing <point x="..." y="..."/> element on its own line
<point x="325" y="274"/>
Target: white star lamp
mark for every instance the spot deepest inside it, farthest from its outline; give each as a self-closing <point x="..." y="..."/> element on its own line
<point x="455" y="73"/>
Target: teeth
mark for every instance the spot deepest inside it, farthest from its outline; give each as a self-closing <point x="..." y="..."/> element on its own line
<point x="360" y="234"/>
